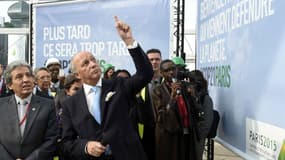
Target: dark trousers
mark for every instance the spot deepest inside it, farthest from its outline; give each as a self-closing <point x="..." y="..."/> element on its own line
<point x="104" y="157"/>
<point x="148" y="142"/>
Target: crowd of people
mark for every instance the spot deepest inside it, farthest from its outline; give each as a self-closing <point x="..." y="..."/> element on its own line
<point x="109" y="114"/>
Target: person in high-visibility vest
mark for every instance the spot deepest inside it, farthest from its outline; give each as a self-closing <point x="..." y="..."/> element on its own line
<point x="147" y="130"/>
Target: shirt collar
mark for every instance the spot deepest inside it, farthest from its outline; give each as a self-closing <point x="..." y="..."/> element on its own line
<point x="55" y="85"/>
<point x="87" y="87"/>
<point x="37" y="87"/>
<point x="27" y="99"/>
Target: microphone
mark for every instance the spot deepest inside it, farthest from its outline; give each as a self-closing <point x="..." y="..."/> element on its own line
<point x="174" y="80"/>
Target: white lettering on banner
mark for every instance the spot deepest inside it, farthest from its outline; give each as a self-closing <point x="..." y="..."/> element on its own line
<point x="65" y="41"/>
<point x="117" y="49"/>
<point x="70" y="32"/>
<point x="53" y="33"/>
<point x="59" y="49"/>
<point x="78" y="32"/>
<point x="96" y="48"/>
<point x="213" y="52"/>
<point x="228" y="17"/>
<point x="110" y="48"/>
<point x="208" y="7"/>
<point x="242" y="13"/>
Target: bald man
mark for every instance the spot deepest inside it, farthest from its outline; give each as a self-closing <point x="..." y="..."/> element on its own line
<point x="96" y="123"/>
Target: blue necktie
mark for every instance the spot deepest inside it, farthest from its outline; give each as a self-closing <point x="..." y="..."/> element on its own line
<point x="96" y="104"/>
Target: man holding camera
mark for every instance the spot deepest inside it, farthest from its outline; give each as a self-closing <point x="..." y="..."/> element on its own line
<point x="179" y="116"/>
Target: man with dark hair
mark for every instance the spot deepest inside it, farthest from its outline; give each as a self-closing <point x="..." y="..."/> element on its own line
<point x="28" y="127"/>
<point x="147" y="128"/>
<point x="154" y="56"/>
<point x="3" y="89"/>
<point x="182" y="122"/>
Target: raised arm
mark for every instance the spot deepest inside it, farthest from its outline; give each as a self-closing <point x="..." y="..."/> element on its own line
<point x="124" y="31"/>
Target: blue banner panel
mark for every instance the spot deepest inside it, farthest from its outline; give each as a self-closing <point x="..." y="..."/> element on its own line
<point x="240" y="48"/>
<point x="63" y="29"/>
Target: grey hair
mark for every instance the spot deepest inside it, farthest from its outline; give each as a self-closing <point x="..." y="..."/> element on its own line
<point x="12" y="66"/>
<point x="72" y="67"/>
<point x="40" y="69"/>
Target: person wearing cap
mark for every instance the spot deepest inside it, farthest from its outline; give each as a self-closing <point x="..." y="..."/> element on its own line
<point x="179" y="62"/>
<point x="28" y="126"/>
<point x="182" y="71"/>
<point x="96" y="122"/>
<point x="54" y="66"/>
<point x="109" y="70"/>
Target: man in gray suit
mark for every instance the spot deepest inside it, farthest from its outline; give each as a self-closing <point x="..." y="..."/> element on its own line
<point x="28" y="127"/>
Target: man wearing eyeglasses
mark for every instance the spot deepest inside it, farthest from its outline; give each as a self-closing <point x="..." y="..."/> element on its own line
<point x="42" y="81"/>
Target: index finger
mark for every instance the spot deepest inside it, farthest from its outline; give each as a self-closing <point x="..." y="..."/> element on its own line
<point x="117" y="22"/>
<point x="116" y="19"/>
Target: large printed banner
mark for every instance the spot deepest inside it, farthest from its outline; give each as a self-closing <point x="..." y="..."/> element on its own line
<point x="240" y="48"/>
<point x="63" y="29"/>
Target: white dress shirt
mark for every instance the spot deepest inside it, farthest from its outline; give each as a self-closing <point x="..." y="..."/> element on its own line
<point x="89" y="93"/>
<point x="22" y="105"/>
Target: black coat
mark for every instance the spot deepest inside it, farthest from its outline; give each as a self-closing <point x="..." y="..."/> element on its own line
<point x="116" y="128"/>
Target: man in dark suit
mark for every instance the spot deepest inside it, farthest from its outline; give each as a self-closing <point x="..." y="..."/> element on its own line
<point x="28" y="128"/>
<point x="3" y="89"/>
<point x="108" y="132"/>
<point x="42" y="81"/>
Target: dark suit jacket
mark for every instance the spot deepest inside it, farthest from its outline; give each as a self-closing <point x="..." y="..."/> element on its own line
<point x="42" y="94"/>
<point x="116" y="129"/>
<point x="38" y="141"/>
<point x="4" y="91"/>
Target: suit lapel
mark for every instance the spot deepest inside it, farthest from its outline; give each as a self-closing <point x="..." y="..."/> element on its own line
<point x="12" y="117"/>
<point x="82" y="101"/>
<point x="32" y="114"/>
<point x="103" y="103"/>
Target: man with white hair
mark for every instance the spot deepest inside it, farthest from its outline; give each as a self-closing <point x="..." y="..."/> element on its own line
<point x="96" y="121"/>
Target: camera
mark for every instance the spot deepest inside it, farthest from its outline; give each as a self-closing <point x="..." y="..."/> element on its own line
<point x="189" y="78"/>
<point x="182" y="73"/>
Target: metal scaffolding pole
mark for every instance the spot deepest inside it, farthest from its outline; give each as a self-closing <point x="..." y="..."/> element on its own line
<point x="179" y="28"/>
